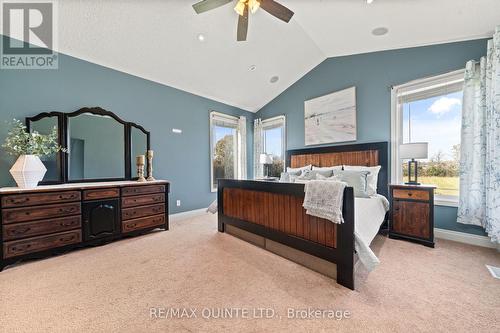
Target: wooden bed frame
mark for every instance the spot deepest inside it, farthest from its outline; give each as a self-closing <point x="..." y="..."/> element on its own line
<point x="274" y="210"/>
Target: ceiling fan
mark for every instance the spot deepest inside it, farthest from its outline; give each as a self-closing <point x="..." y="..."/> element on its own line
<point x="242" y="8"/>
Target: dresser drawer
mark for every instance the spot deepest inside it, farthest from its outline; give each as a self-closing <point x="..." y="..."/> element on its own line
<point x="35" y="244"/>
<point x="143" y="223"/>
<point x="42" y="227"/>
<point x="143" y="200"/>
<point x="40" y="212"/>
<point x="102" y="193"/>
<point x="411" y="194"/>
<point x="144" y="189"/>
<point x="136" y="212"/>
<point x="21" y="200"/>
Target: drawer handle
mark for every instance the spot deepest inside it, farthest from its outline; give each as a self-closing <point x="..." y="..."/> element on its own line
<point x="132" y="225"/>
<point x="67" y="239"/>
<point x="67" y="224"/>
<point x="20" y="231"/>
<point x="410" y="194"/>
<point x="71" y="196"/>
<point x="156" y="210"/>
<point x="19" y="200"/>
<point x="21" y="247"/>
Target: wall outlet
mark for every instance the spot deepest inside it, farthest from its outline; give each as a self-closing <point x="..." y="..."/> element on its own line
<point x="178" y="203"/>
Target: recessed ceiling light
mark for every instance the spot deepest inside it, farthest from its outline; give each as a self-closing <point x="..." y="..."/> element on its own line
<point x="380" y="31"/>
<point x="252" y="68"/>
<point x="274" y="79"/>
<point x="201" y="37"/>
<point x="369" y="2"/>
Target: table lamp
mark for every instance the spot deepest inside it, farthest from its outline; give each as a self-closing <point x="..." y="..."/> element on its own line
<point x="266" y="160"/>
<point x="413" y="151"/>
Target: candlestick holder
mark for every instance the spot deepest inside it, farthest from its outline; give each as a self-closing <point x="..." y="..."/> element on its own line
<point x="150" y="155"/>
<point x="140" y="161"/>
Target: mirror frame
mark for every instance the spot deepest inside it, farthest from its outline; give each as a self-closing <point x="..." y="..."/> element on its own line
<point x="63" y="121"/>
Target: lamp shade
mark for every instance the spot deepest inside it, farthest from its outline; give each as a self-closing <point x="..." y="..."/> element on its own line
<point x="416" y="150"/>
<point x="266" y="159"/>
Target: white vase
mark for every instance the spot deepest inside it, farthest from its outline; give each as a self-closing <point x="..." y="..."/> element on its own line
<point x="28" y="171"/>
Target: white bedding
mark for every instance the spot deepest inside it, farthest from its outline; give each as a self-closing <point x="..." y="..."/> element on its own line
<point x="369" y="214"/>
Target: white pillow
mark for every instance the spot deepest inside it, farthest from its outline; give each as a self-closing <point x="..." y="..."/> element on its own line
<point x="298" y="171"/>
<point x="284" y="177"/>
<point x="372" y="179"/>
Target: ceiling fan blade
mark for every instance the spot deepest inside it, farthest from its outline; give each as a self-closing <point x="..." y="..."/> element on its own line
<point x="242" y="26"/>
<point x="206" y="5"/>
<point x="277" y="10"/>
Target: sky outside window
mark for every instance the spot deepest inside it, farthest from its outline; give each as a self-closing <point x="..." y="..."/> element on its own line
<point x="435" y="120"/>
<point x="273" y="138"/>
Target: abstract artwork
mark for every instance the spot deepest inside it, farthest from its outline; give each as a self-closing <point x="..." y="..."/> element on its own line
<point x="331" y="118"/>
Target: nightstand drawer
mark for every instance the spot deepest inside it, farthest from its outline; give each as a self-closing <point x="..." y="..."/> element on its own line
<point x="411" y="194"/>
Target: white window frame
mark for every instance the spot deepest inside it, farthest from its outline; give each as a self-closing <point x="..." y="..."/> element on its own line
<point x="214" y="115"/>
<point x="271" y="123"/>
<point x="397" y="123"/>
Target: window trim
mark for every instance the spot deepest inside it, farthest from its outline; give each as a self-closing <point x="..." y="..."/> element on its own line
<point x="397" y="127"/>
<point x="268" y="123"/>
<point x="217" y="115"/>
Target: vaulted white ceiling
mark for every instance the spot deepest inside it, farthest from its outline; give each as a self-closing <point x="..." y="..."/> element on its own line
<point x="157" y="39"/>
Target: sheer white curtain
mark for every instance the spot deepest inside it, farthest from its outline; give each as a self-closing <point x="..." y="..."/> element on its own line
<point x="479" y="202"/>
<point x="258" y="171"/>
<point x="242" y="148"/>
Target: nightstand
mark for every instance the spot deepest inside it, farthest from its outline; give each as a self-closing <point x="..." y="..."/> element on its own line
<point x="412" y="213"/>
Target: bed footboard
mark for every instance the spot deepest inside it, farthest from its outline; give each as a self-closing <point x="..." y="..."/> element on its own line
<point x="274" y="211"/>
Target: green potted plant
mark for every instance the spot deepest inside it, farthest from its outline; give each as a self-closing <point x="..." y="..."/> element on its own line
<point x="28" y="170"/>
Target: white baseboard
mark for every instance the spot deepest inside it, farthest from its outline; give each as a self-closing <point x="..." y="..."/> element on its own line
<point x="187" y="215"/>
<point x="463" y="237"/>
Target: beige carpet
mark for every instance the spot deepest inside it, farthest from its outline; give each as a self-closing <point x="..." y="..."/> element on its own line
<point x="112" y="288"/>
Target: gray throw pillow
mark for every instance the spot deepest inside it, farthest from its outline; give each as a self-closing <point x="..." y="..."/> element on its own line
<point x="355" y="179"/>
<point x="307" y="175"/>
<point x="297" y="171"/>
<point x="323" y="172"/>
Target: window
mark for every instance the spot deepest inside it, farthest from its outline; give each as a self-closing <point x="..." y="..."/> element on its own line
<point x="273" y="143"/>
<point x="430" y="110"/>
<point x="227" y="147"/>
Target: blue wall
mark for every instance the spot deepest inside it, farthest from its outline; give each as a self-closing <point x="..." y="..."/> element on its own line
<point x="373" y="74"/>
<point x="183" y="159"/>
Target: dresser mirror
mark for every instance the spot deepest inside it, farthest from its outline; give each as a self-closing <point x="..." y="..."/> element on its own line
<point x="100" y="146"/>
<point x="139" y="143"/>
<point x="45" y="124"/>
<point x="96" y="147"/>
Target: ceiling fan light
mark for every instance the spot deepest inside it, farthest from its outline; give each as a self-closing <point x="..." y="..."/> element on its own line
<point x="240" y="7"/>
<point x="253" y="5"/>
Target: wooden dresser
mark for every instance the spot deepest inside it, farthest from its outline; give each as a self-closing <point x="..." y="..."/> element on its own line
<point x="49" y="219"/>
<point x="412" y="213"/>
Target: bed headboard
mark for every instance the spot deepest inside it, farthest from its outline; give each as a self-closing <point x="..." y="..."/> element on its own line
<point x="365" y="154"/>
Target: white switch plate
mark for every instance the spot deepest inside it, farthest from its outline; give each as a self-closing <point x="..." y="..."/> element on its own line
<point x="178" y="203"/>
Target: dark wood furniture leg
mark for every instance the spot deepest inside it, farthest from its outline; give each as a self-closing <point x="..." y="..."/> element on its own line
<point x="345" y="241"/>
